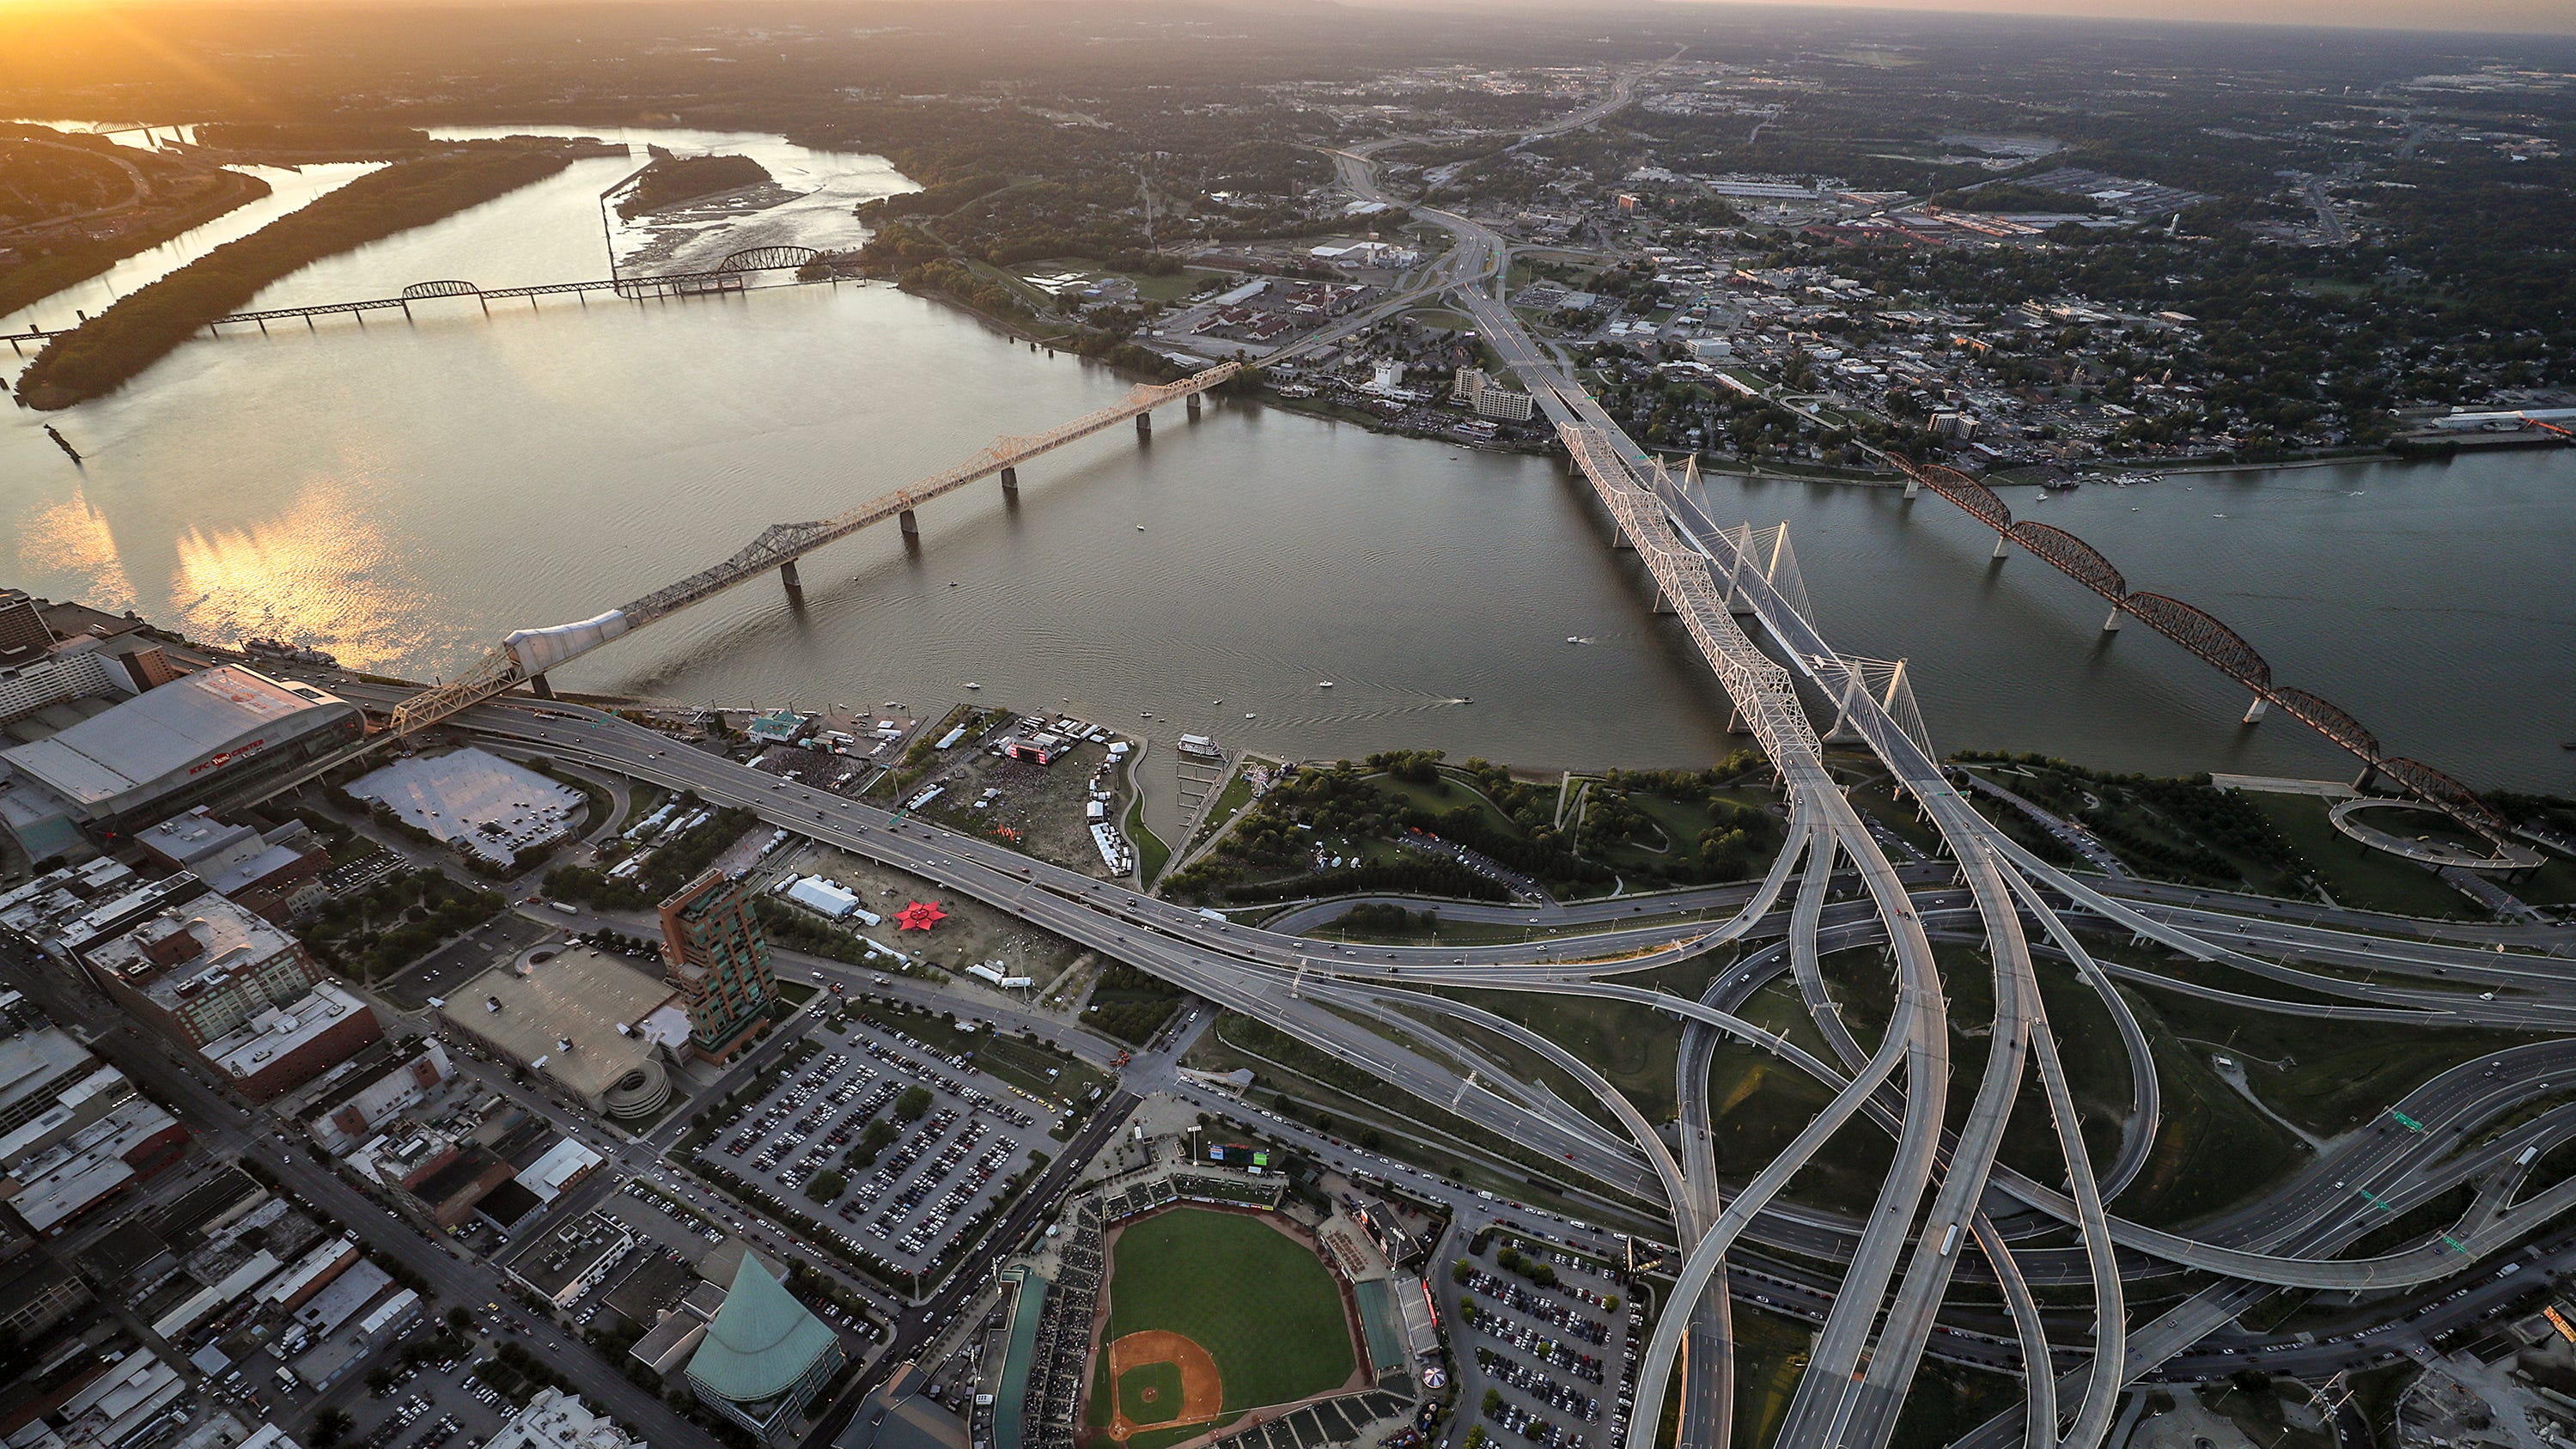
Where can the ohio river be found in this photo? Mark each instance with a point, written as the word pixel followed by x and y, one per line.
pixel 404 494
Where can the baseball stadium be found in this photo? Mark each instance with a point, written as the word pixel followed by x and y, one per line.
pixel 1214 1318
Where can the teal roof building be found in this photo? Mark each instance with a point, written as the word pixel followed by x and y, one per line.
pixel 765 1356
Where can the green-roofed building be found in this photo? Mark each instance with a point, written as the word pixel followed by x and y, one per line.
pixel 764 1356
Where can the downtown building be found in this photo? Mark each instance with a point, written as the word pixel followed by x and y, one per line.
pixel 714 952
pixel 764 1357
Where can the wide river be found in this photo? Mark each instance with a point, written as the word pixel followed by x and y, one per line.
pixel 405 493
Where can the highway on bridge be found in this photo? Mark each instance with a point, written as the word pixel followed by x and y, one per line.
pixel 1832 890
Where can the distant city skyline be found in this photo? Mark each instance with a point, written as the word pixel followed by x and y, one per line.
pixel 2480 17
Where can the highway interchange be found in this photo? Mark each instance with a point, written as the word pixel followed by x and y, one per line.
pixel 1833 889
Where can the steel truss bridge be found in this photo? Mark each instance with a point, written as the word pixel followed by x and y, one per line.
pixel 736 273
pixel 2214 644
pixel 526 655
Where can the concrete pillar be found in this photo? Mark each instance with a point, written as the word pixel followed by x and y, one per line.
pixel 2257 709
pixel 2368 777
pixel 543 690
pixel 1144 427
pixel 1010 480
pixel 2003 545
pixel 1194 407
pixel 787 576
pixel 911 525
pixel 2112 625
pixel 1913 485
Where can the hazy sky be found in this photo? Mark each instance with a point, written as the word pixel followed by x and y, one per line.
pixel 2519 16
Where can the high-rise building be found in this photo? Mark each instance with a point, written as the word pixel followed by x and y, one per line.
pixel 714 952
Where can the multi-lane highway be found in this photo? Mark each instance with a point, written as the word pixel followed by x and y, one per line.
pixel 1832 888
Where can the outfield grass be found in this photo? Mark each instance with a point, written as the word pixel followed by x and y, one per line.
pixel 1261 1304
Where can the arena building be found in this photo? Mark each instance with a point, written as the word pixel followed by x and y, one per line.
pixel 165 751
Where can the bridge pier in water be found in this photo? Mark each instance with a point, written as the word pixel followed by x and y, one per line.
pixel 795 586
pixel 2257 709
pixel 1144 427
pixel 1011 482
pixel 2003 545
pixel 1913 485
pixel 911 528
pixel 2112 625
pixel 1194 407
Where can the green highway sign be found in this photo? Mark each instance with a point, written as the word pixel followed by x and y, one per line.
pixel 2405 1121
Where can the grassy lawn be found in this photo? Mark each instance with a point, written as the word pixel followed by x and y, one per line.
pixel 1261 1305
pixel 2355 874
pixel 1151 853
pixel 1444 794
pixel 1229 803
pixel 1150 1393
pixel 642 799
pixel 1632 1044
pixel 1770 1353
pixel 1149 288
pixel 1948 1400
pixel 797 993
pixel 2554 884
pixel 2214 1150
pixel 2326 1076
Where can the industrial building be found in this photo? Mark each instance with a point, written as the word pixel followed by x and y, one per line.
pixel 765 1356
pixel 352 1100
pixel 573 1258
pixel 262 870
pixel 165 751
pixel 197 973
pixel 718 957
pixel 39 1061
pixel 554 1419
pixel 100 1141
pixel 283 1047
pixel 596 1027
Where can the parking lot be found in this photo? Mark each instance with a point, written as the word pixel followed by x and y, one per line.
pixel 923 1142
pixel 434 1406
pixel 1544 1363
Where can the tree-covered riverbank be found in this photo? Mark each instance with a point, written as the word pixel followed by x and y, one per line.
pixel 110 349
